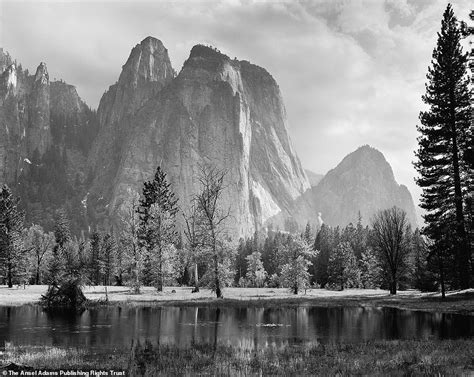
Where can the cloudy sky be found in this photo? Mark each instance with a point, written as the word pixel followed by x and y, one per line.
pixel 351 72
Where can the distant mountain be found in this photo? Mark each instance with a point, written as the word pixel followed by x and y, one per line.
pixel 56 152
pixel 313 178
pixel 45 135
pixel 362 182
pixel 225 112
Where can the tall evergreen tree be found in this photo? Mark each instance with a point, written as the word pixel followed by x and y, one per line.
pixel 62 236
pixel 158 208
pixel 343 271
pixel 446 136
pixel 11 226
pixel 256 273
pixel 324 244
pixel 297 255
pixel 107 259
pixel 94 257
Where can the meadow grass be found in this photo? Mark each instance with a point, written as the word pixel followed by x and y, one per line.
pixel 455 302
pixel 395 357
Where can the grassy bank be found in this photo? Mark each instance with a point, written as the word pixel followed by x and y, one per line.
pixel 432 357
pixel 456 302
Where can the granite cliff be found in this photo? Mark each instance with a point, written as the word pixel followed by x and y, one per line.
pixel 218 111
pixel 45 134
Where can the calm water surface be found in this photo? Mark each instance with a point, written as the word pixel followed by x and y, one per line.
pixel 239 326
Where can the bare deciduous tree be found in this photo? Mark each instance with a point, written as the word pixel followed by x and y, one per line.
pixel 193 243
pixel 391 236
pixel 213 231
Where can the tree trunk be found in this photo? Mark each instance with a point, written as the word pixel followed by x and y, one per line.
pixel 216 273
pixel 196 278
pixel 462 249
pixel 159 281
pixel 10 275
pixel 393 287
pixel 441 277
pixel 137 279
pixel 37 278
pixel 216 265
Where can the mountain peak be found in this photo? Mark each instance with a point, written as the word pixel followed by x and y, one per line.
pixel 206 58
pixel 41 74
pixel 363 182
pixel 148 62
pixel 207 52
pixel 5 60
pixel 366 160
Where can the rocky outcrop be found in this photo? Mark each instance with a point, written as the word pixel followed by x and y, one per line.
pixel 362 182
pixel 147 70
pixel 45 134
pixel 217 111
pixel 38 130
pixel 13 118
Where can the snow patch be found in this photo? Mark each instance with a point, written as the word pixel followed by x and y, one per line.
pixel 267 204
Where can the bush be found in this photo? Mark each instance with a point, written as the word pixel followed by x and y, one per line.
pixel 68 295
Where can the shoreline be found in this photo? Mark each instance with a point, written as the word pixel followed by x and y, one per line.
pixel 458 302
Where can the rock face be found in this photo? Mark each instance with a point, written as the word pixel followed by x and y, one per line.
pixel 363 181
pixel 39 133
pixel 45 131
pixel 217 111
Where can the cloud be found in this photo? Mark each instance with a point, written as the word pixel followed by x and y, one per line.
pixel 351 72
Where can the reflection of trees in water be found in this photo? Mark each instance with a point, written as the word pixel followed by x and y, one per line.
pixel 250 328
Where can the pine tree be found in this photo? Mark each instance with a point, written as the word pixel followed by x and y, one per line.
pixel 157 210
pixel 370 271
pixel 62 236
pixel 343 271
pixel 422 275
pixel 107 258
pixel 324 244
pixel 294 273
pixel 308 234
pixel 11 226
pixel 94 257
pixel 443 163
pixel 256 274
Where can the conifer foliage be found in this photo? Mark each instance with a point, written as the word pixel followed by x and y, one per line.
pixel 157 229
pixel 445 174
pixel 11 226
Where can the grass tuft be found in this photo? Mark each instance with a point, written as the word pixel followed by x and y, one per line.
pixel 399 357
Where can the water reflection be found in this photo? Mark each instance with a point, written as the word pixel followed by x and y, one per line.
pixel 254 327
